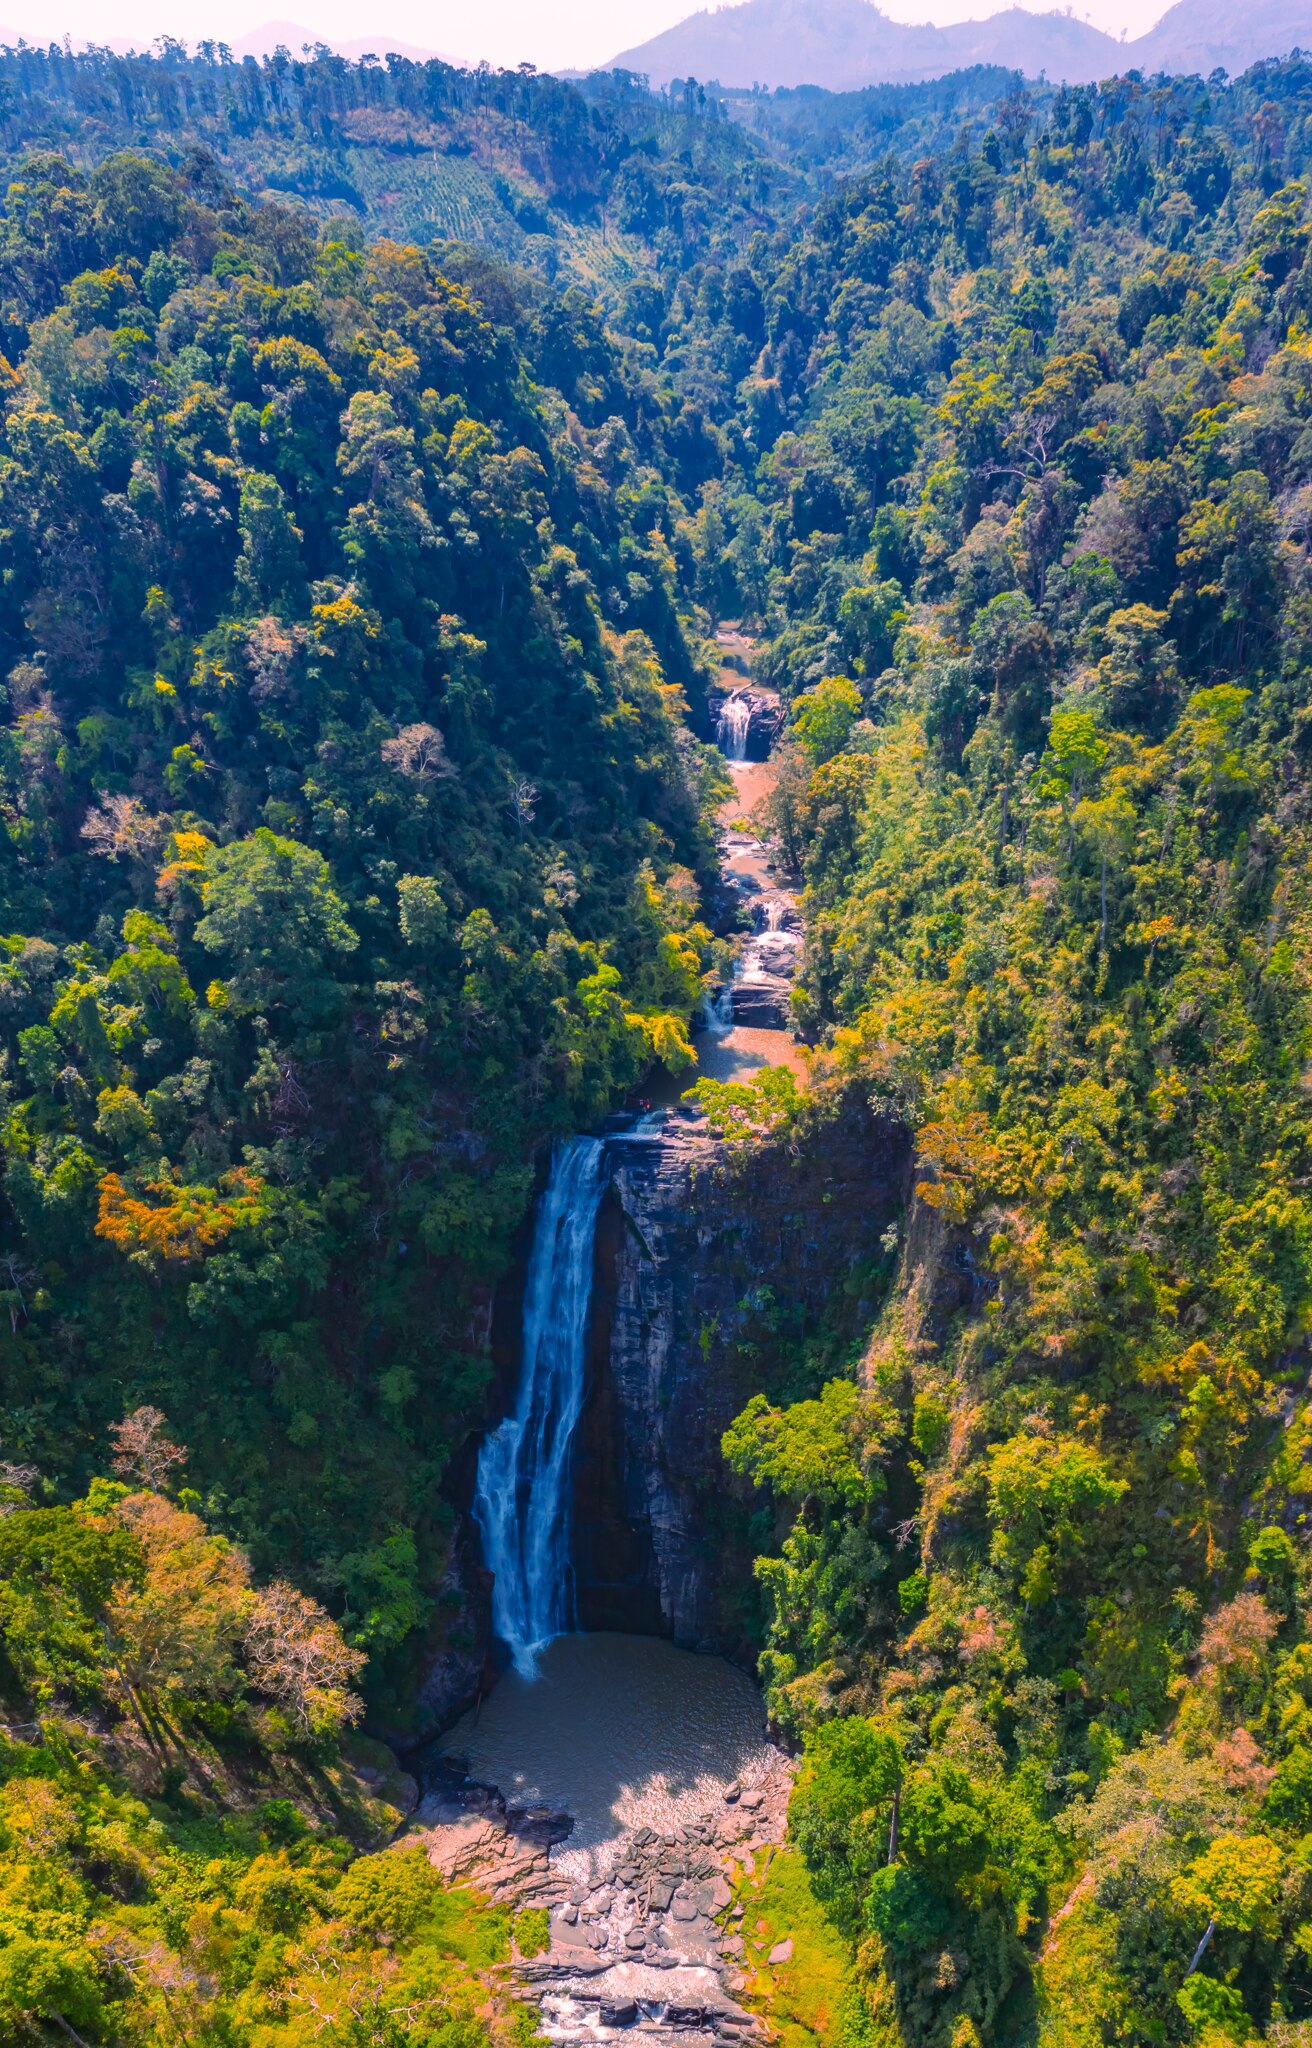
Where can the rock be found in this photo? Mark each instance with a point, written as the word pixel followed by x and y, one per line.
pixel 680 1249
pixel 753 1801
pixel 635 1938
pixel 782 1952
pixel 479 1850
pixel 685 1908
pixel 569 1914
pixel 661 1893
pixel 721 1895
pixel 624 2014
pixel 685 2015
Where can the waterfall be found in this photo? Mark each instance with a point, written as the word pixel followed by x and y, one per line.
pixel 733 727
pixel 522 1499
pixel 719 1011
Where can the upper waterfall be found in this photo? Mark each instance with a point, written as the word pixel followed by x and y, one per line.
pixel 734 725
pixel 522 1499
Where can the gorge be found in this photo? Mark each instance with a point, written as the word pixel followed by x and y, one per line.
pixel 624 1726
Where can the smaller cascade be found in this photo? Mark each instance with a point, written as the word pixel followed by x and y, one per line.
pixel 719 1010
pixel 522 1499
pixel 734 725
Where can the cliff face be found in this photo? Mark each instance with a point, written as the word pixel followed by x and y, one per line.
pixel 710 1277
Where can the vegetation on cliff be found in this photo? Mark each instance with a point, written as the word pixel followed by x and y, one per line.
pixel 1041 1604
pixel 352 841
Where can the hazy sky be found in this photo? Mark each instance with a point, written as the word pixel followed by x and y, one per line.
pixel 563 33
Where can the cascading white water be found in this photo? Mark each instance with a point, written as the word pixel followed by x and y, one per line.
pixel 732 729
pixel 522 1498
pixel 719 1011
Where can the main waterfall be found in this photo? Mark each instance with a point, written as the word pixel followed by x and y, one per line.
pixel 521 1503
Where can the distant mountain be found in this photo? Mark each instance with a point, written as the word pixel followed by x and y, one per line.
pixel 843 44
pixel 1199 35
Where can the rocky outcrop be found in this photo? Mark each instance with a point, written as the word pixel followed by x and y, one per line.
pixel 710 1274
pixel 651 1937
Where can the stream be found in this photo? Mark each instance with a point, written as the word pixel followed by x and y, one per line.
pixel 616 1777
pixel 748 1026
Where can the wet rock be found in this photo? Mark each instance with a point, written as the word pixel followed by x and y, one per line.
pixel 624 2014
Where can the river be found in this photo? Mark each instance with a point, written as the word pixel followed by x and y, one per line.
pixel 658 1754
pixel 752 1027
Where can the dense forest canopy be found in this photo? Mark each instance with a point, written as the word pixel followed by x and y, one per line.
pixel 356 838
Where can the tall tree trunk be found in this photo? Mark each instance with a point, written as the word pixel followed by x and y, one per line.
pixel 1201 1950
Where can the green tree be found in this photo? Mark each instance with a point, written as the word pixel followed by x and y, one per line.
pixel 275 922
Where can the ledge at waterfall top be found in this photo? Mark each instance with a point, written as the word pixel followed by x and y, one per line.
pixel 521 1503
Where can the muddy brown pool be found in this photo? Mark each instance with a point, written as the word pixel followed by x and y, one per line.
pixel 622 1731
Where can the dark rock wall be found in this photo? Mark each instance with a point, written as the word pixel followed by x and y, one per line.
pixel 710 1280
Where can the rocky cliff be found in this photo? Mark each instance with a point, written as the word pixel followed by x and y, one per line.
pixel 713 1277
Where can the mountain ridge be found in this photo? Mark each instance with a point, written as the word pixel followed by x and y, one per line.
pixel 845 44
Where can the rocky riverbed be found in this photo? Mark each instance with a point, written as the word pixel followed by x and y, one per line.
pixel 645 1935
pixel 750 1024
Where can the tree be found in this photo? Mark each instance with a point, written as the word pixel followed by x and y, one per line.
pixel 269 573
pixel 823 717
pixel 271 910
pixel 144 1450
pixel 417 752
pixel 58 1571
pixel 295 1653
pixel 121 828
pixel 1046 1495
pixel 809 1450
pixel 1108 823
pixel 173 1632
pixel 842 1814
pixel 1235 1883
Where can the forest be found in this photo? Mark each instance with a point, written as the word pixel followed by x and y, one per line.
pixel 358 837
